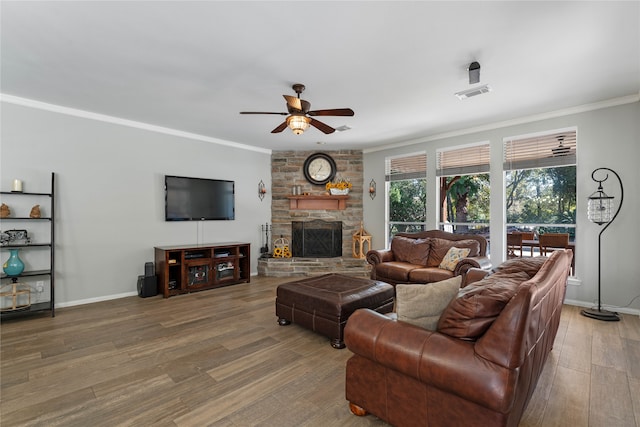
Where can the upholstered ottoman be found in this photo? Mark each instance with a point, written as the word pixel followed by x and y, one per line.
pixel 324 303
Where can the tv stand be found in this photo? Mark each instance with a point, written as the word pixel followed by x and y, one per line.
pixel 187 268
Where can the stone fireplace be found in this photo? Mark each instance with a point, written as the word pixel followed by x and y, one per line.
pixel 286 173
pixel 316 239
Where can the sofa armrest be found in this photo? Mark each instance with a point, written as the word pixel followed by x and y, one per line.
pixel 377 256
pixel 465 264
pixel 473 275
pixel 438 360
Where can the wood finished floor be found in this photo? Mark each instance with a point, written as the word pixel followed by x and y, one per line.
pixel 218 358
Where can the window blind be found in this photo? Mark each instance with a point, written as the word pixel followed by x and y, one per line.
pixel 464 161
pixel 552 150
pixel 406 167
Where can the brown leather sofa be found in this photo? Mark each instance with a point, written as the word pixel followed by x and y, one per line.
pixel 479 368
pixel 415 257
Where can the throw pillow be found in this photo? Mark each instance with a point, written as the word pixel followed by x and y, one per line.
pixel 413 251
pixel 422 305
pixel 477 305
pixel 453 256
pixel 440 247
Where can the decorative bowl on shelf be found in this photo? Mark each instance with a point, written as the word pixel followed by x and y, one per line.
pixel 340 187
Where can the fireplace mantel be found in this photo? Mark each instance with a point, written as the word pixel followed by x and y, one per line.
pixel 318 202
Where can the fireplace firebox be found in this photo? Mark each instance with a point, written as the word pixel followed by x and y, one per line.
pixel 316 239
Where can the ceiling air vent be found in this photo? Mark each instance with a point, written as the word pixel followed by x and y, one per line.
pixel 464 94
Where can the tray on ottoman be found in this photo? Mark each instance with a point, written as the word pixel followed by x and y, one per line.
pixel 324 303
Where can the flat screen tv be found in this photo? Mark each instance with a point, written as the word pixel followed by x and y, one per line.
pixel 198 199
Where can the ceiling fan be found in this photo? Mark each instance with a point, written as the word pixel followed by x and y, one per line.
pixel 561 149
pixel 298 111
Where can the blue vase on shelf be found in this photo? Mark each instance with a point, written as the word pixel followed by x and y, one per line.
pixel 14 265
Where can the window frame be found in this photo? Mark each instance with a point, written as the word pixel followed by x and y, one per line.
pixel 404 167
pixel 533 153
pixel 461 160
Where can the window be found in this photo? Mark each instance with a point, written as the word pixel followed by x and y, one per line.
pixel 540 177
pixel 407 193
pixel 463 175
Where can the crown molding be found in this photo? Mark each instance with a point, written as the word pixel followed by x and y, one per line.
pixel 16 100
pixel 25 102
pixel 629 99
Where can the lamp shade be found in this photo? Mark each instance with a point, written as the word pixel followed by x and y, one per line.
pixel 600 207
pixel 298 124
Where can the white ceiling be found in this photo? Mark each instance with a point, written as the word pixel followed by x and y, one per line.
pixel 193 66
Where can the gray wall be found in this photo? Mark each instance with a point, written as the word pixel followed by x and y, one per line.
pixel 110 188
pixel 607 137
pixel 110 194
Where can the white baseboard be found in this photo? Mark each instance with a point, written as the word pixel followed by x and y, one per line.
pixel 577 303
pixel 96 299
pixel 585 304
pixel 104 298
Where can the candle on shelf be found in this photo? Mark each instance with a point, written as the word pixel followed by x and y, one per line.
pixel 17 186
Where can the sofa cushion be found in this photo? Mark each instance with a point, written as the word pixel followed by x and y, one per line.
pixel 422 305
pixel 453 256
pixel 413 251
pixel 440 247
pixel 529 265
pixel 429 275
pixel 477 305
pixel 395 270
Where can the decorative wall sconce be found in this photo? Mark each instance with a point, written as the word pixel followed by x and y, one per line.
pixel 372 189
pixel 262 190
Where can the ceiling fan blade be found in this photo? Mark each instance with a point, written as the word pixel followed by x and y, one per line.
pixel 262 112
pixel 293 102
pixel 332 112
pixel 322 127
pixel 305 105
pixel 280 128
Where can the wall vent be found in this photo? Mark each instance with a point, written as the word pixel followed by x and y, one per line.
pixel 464 94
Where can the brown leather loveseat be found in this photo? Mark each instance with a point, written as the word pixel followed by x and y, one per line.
pixel 478 368
pixel 416 257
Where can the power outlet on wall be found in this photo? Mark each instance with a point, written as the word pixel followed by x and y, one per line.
pixel 40 286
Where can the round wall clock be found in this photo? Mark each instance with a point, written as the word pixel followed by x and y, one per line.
pixel 319 168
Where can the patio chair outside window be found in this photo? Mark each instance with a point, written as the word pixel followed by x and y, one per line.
pixel 526 235
pixel 553 241
pixel 514 243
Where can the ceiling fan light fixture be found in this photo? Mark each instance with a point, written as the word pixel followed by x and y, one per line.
pixel 299 111
pixel 298 124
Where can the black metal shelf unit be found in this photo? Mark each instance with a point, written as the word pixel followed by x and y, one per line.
pixel 39 306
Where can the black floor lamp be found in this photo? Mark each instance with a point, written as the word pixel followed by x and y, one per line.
pixel 599 210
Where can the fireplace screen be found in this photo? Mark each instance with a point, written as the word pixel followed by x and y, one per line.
pixel 316 239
